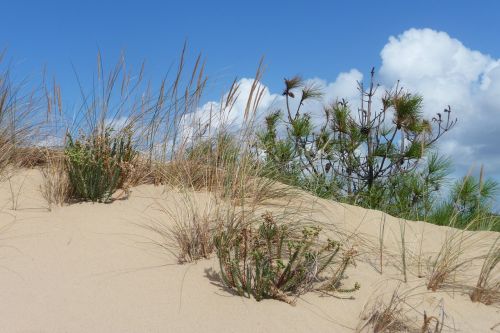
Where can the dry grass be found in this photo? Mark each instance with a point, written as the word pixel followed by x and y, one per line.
pixel 397 315
pixel 187 231
pixel 385 316
pixel 449 261
pixel 487 289
pixel 55 186
pixel 17 123
pixel 31 157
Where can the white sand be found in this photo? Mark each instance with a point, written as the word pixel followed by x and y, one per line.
pixel 95 268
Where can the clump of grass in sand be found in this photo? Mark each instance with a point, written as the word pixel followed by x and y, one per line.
pixel 450 259
pixel 55 186
pixel 393 316
pixel 386 317
pixel 274 260
pixel 190 237
pixel 96 164
pixel 487 289
pixel 447 261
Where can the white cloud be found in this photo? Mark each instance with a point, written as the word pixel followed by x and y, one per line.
pixel 446 72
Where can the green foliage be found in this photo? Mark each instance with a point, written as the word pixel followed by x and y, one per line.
pixel 348 156
pixel 469 205
pixel 97 164
pixel 273 261
pixel 414 194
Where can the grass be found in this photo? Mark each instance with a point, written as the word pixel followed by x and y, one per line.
pixel 17 124
pixel 487 289
pixel 190 235
pixel 447 261
pixel 55 186
pixel 450 259
pixel 397 315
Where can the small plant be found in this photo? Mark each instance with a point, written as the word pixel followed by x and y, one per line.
pixel 55 187
pixel 386 316
pixel 449 259
pixel 190 238
pixel 274 261
pixel 487 289
pixel 393 316
pixel 97 163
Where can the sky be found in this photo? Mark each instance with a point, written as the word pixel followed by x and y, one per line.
pixel 448 51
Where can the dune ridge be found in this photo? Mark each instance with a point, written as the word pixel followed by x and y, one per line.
pixel 97 268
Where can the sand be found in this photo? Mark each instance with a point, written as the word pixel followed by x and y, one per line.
pixel 97 268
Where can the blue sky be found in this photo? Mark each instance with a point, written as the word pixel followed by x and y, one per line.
pixel 446 50
pixel 313 38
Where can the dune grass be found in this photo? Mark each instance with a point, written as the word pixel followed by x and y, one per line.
pixel 55 186
pixel 396 314
pixel 18 124
pixel 487 289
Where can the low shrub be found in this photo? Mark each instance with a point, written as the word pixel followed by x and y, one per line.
pixel 97 164
pixel 275 261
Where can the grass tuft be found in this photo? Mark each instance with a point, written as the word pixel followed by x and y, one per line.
pixel 487 289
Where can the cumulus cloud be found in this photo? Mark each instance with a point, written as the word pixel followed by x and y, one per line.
pixel 446 72
pixel 433 64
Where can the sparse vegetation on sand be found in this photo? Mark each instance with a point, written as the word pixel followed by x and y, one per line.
pixel 268 211
pixel 276 260
pixel 396 314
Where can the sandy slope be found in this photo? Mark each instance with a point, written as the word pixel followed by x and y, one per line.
pixel 95 268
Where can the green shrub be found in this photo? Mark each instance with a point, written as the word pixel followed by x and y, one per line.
pixel 274 261
pixel 97 164
pixel 469 205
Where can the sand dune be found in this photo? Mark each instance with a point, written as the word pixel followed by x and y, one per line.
pixel 96 268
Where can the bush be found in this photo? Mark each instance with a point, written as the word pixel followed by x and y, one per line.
pixel 274 261
pixel 97 164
